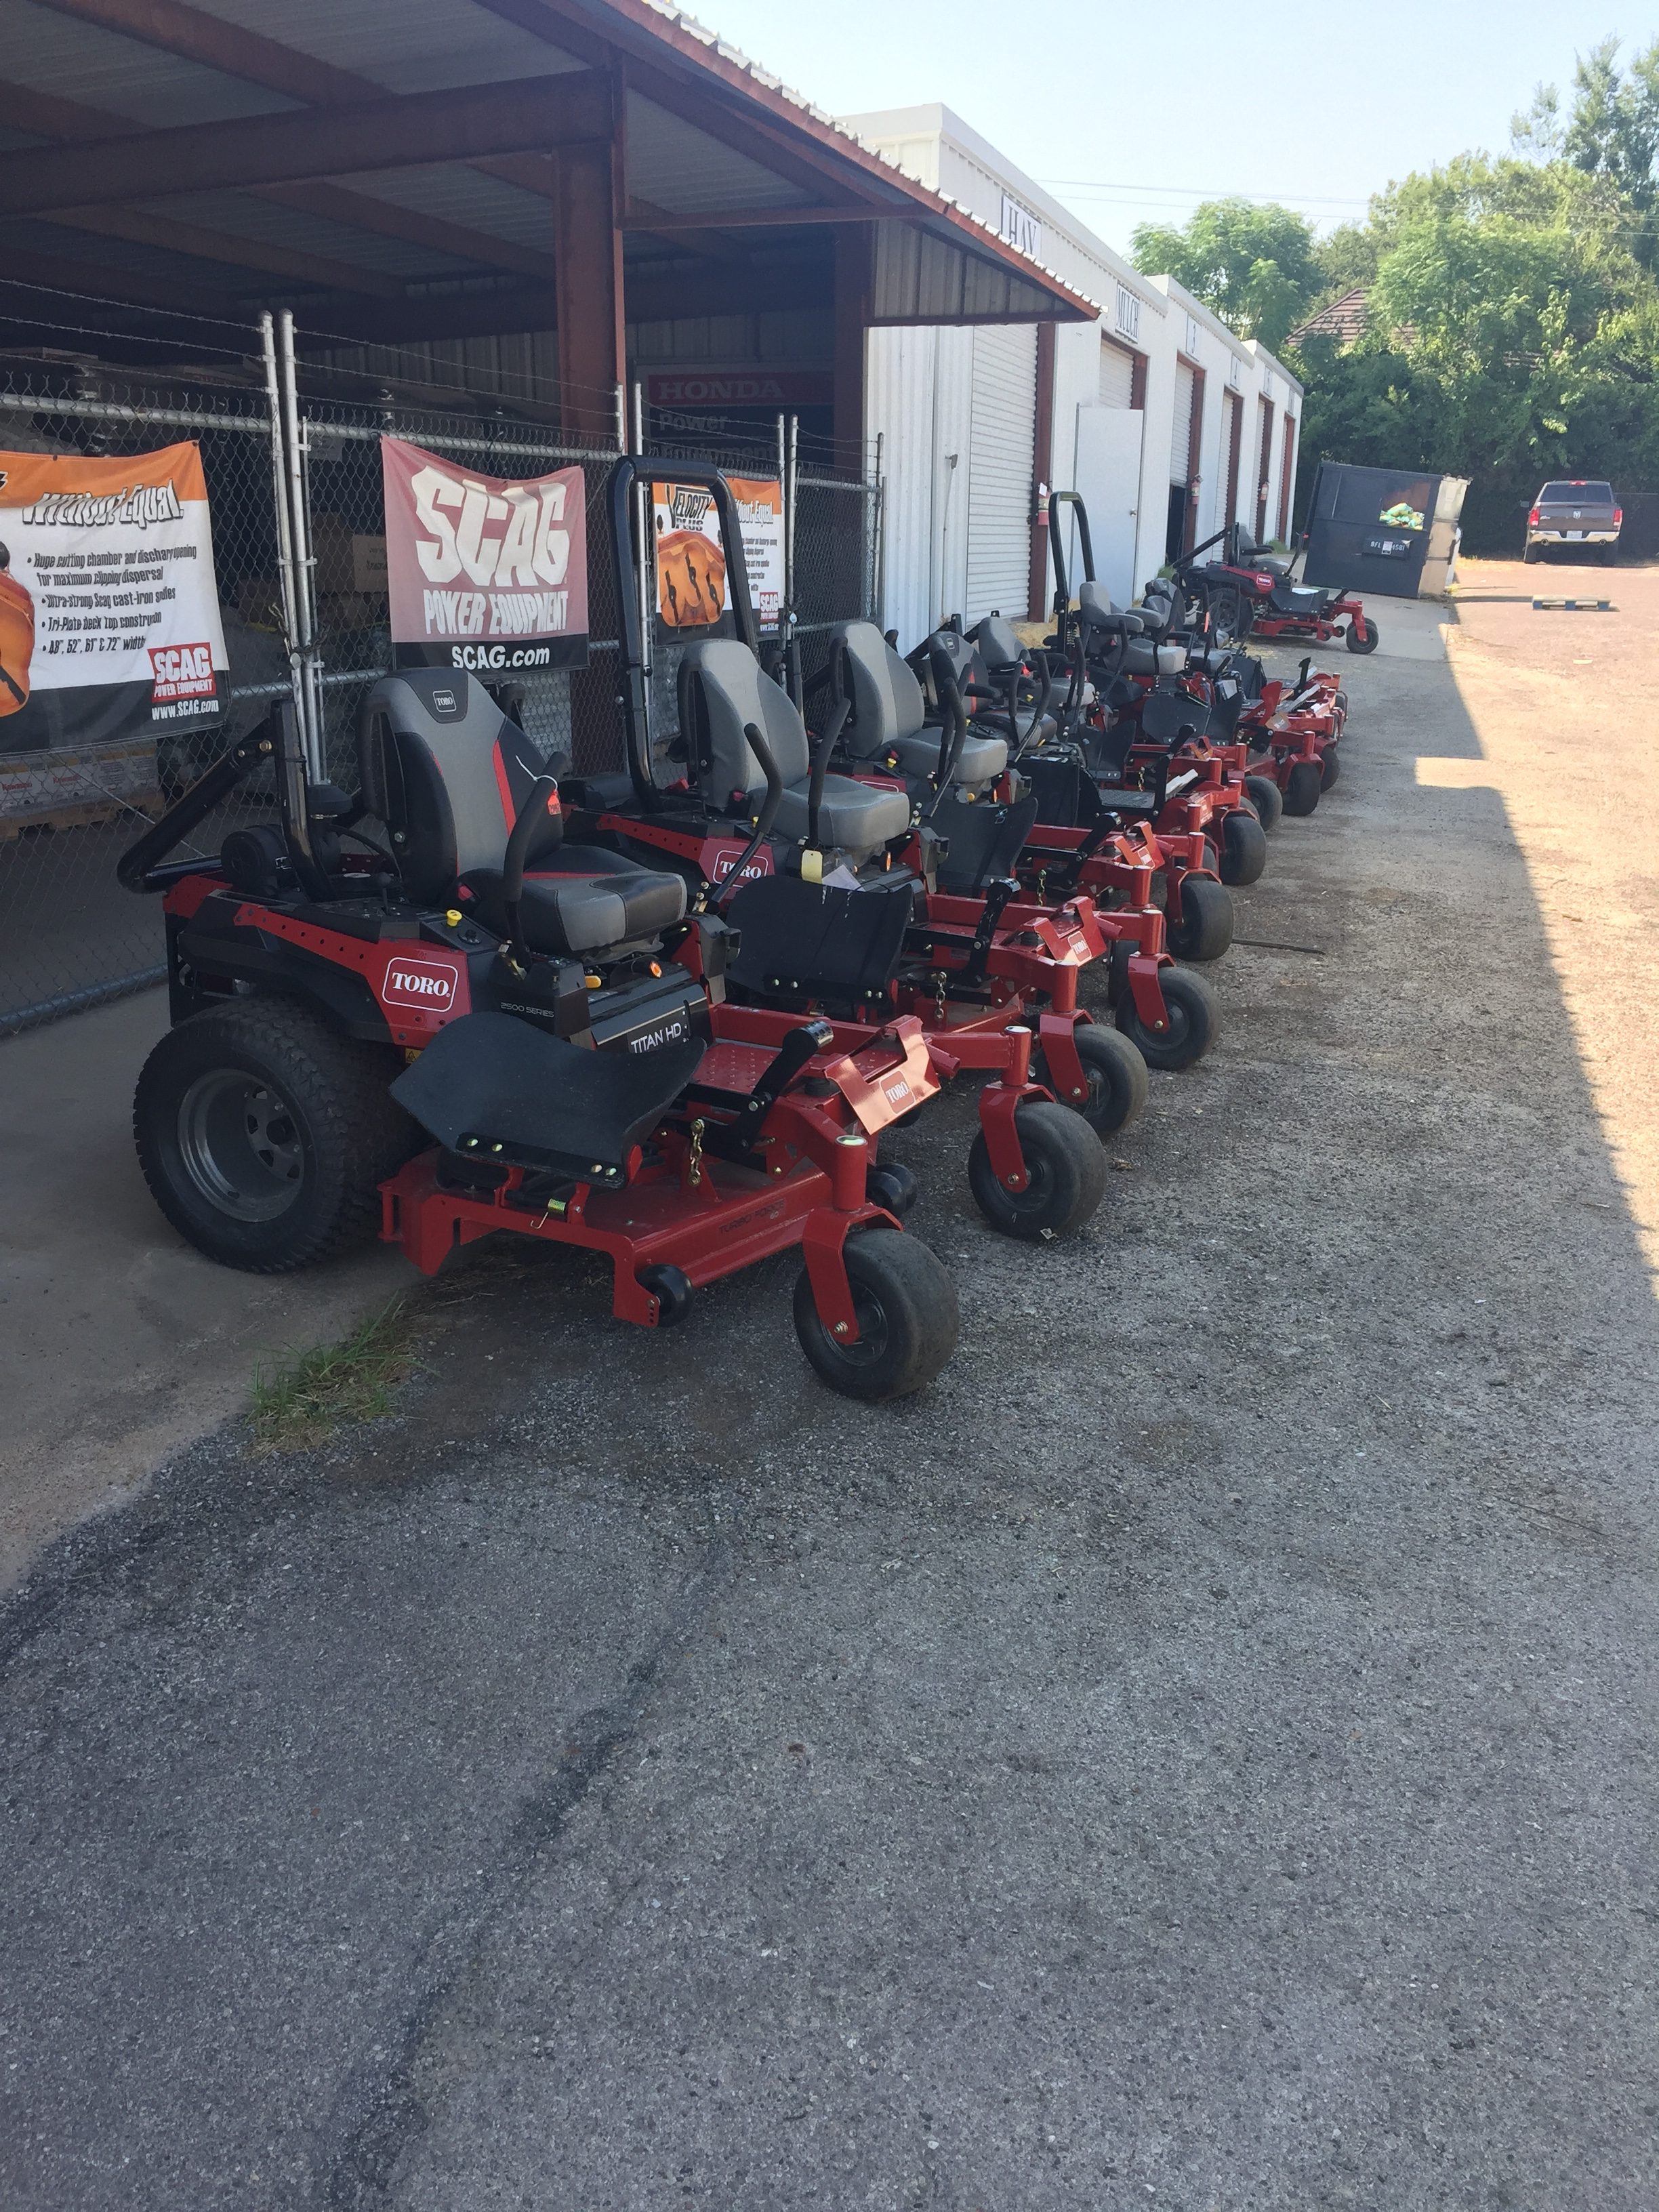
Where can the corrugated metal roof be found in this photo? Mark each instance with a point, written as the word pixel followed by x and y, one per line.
pixel 405 45
pixel 239 214
pixel 48 53
pixel 461 195
pixel 673 165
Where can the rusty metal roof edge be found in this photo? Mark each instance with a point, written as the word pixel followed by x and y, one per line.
pixel 661 21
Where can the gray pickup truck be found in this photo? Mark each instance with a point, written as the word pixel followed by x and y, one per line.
pixel 1577 512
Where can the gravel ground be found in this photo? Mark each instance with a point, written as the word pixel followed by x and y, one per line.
pixel 1201 1753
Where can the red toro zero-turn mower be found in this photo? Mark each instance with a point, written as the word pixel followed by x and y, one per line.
pixel 827 879
pixel 473 1027
pixel 1248 592
pixel 980 807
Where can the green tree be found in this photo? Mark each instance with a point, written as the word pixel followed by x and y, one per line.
pixel 1255 265
pixel 1611 130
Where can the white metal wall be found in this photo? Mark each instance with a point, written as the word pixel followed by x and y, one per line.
pixel 919 397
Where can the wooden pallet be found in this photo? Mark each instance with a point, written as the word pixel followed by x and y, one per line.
pixel 1578 606
pixel 81 814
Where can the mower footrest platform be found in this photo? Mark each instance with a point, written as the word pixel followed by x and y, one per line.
pixel 492 1086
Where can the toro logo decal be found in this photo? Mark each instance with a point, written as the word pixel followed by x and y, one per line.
pixel 181 671
pixel 420 983
pixel 725 861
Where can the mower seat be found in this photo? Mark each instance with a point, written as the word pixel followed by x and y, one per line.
pixel 1142 656
pixel 889 717
pixel 721 689
pixel 446 772
pixel 1096 612
pixel 591 899
pixel 984 752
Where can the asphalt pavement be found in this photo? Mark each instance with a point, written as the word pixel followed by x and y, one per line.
pixel 1201 1753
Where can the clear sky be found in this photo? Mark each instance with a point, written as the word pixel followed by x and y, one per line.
pixel 1130 114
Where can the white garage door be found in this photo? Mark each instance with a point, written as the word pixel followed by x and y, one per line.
pixel 1003 442
pixel 1180 439
pixel 1117 376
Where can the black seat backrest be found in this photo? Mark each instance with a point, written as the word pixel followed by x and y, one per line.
pixel 721 687
pixel 948 648
pixel 887 702
pixel 446 772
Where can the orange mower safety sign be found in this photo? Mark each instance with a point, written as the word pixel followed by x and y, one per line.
pixel 109 606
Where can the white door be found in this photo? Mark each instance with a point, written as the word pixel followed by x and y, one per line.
pixel 1001 451
pixel 1107 474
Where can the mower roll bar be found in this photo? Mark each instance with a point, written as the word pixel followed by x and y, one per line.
pixel 633 563
pixel 140 869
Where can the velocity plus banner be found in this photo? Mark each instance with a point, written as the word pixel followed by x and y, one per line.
pixel 109 609
pixel 693 588
pixel 485 573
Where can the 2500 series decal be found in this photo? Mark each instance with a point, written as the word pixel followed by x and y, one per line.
pixel 420 983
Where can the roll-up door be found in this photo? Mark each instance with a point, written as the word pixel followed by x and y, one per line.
pixel 1232 408
pixel 1000 463
pixel 1117 376
pixel 1181 436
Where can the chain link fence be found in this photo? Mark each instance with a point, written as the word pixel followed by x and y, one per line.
pixel 69 938
pixel 69 935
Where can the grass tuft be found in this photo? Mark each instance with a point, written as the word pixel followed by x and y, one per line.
pixel 304 1403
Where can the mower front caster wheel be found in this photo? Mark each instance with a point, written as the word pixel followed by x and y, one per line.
pixel 1244 846
pixel 1302 787
pixel 1114 1072
pixel 1205 927
pixel 1194 1021
pixel 908 1318
pixel 1362 635
pixel 1065 1174
pixel 1263 794
pixel 264 1134
pixel 671 1286
pixel 891 1186
pixel 1330 767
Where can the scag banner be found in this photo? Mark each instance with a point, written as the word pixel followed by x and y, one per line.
pixel 109 609
pixel 693 588
pixel 485 573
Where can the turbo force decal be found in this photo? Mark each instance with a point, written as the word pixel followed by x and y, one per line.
pixel 483 573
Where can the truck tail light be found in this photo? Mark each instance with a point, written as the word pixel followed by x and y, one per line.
pixel 1617 518
pixel 1532 520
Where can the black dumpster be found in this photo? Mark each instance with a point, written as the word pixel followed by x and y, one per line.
pixel 1385 531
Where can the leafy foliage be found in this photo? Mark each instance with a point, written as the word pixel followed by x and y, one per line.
pixel 1255 265
pixel 1512 310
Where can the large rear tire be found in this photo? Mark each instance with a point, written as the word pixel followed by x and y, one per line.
pixel 263 1133
pixel 909 1320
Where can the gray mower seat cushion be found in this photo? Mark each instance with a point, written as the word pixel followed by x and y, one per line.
pixel 983 758
pixel 857 817
pixel 587 900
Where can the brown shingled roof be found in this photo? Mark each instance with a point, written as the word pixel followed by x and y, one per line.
pixel 1343 319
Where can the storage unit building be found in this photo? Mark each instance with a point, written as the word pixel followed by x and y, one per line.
pixel 1155 413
